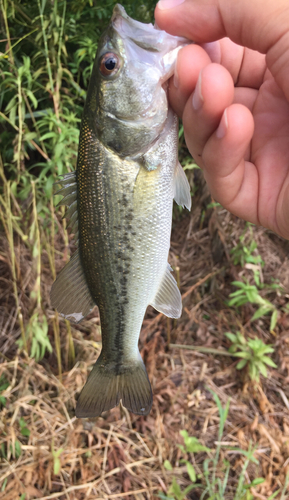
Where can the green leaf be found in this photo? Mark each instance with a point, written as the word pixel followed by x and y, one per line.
pixel 257 480
pixel 176 489
pixel 262 368
pixel 48 135
pixel 32 98
pixel 241 364
pixel 56 466
pixel 253 372
pixel 274 320
pixel 192 444
pixel 231 336
pixel 191 472
pixel 245 355
pixel 241 338
pixel 268 361
pixel 265 309
pixel 25 432
pixel 17 449
pixel 239 284
pixel 168 465
pixel 4 484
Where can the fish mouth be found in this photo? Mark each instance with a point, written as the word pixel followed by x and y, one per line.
pixel 158 48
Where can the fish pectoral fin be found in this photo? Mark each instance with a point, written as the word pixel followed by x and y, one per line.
pixel 107 384
pixel 182 192
pixel 69 293
pixel 69 192
pixel 168 299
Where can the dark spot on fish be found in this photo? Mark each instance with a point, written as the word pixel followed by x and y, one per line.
pixel 124 201
pixel 123 281
pixel 125 239
pixel 129 216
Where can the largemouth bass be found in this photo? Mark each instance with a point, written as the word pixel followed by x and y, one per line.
pixel 120 207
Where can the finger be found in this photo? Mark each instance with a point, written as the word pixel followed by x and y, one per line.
pixel 260 25
pixel 214 92
pixel 233 181
pixel 246 66
pixel 191 60
pixel 245 96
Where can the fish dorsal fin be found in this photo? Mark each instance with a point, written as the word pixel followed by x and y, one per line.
pixel 69 293
pixel 69 192
pixel 168 299
pixel 182 193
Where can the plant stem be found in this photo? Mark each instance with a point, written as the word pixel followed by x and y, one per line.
pixel 71 351
pixel 20 127
pixel 10 238
pixel 36 249
pixel 202 349
pixel 4 13
pixel 57 344
pixel 46 49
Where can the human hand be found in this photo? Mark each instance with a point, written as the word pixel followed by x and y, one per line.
pixel 234 101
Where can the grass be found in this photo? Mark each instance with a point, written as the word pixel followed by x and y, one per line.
pixel 233 278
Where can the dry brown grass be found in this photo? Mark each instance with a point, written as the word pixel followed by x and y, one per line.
pixel 120 455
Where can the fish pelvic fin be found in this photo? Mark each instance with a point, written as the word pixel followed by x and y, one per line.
pixel 108 383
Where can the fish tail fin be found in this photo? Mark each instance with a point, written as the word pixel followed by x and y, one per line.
pixel 109 383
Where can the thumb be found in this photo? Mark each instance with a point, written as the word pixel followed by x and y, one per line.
pixel 260 25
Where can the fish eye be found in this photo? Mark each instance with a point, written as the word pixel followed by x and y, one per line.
pixel 109 64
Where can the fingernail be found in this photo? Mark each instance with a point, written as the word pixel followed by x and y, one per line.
pixel 223 127
pixel 176 76
pixel 168 4
pixel 198 99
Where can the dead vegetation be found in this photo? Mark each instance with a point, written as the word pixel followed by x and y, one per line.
pixel 47 453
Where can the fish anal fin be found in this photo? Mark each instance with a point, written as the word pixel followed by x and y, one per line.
pixel 69 293
pixel 168 299
pixel 182 193
pixel 108 384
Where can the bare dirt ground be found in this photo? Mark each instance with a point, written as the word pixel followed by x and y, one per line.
pixel 120 455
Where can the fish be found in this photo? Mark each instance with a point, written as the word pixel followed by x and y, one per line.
pixel 120 200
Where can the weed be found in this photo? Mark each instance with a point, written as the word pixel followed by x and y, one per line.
pixel 14 450
pixel 23 428
pixel 36 335
pixel 253 353
pixel 250 294
pixel 210 480
pixel 56 458
pixel 246 249
pixel 3 386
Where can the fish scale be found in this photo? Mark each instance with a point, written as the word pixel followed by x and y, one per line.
pixel 120 199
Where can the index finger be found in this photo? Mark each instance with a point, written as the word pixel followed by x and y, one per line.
pixel 260 25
